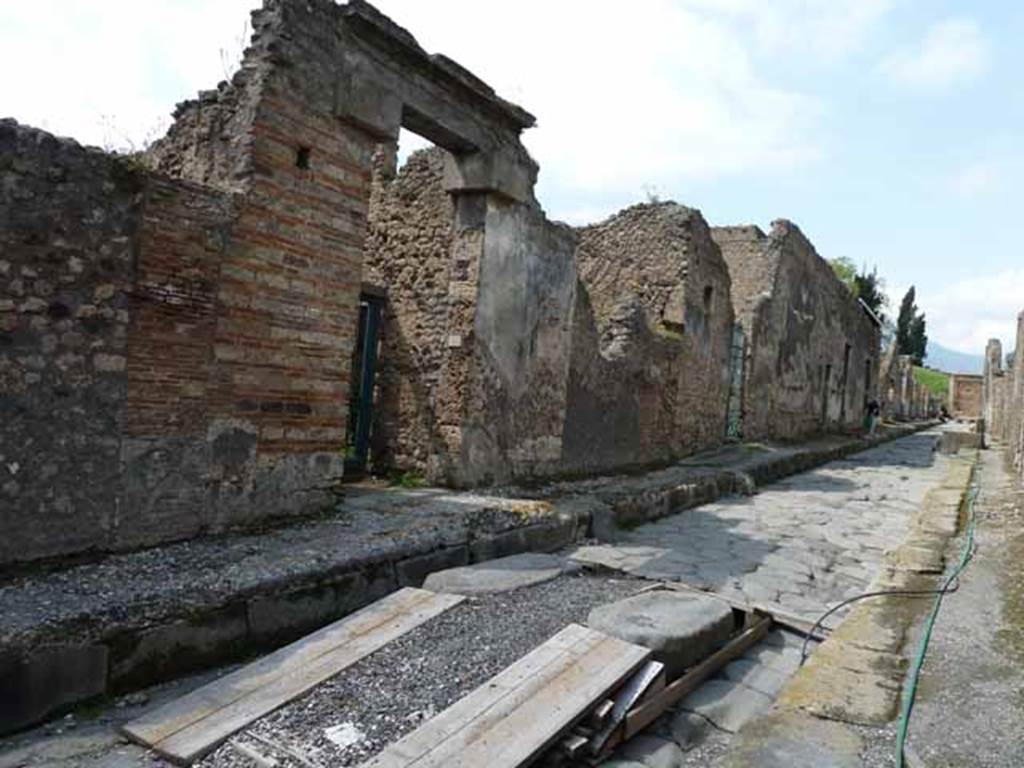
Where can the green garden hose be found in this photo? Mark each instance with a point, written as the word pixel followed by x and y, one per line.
pixel 910 691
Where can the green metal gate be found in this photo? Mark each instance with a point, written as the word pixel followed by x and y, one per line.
pixel 362 381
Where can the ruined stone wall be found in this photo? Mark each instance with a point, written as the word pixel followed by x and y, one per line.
pixel 650 370
pixel 812 356
pixel 68 221
pixel 1015 421
pixel 515 348
pixel 476 337
pixel 752 268
pixel 140 407
pixel 1004 396
pixel 966 394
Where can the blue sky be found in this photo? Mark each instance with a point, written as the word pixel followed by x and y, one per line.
pixel 891 131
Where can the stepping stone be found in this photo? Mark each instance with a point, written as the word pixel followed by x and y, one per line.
pixel 501 575
pixel 681 629
pixel 728 705
pixel 646 752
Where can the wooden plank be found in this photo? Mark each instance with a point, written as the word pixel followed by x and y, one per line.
pixel 601 713
pixel 651 710
pixel 522 710
pixel 187 728
pixel 625 699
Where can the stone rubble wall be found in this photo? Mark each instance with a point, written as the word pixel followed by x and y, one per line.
pixel 495 365
pixel 812 357
pixel 68 232
pixel 650 372
pixel 966 394
pixel 176 330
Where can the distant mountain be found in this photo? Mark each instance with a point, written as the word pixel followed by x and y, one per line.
pixel 951 361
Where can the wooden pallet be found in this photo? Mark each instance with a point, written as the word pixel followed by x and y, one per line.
pixel 517 715
pixel 185 729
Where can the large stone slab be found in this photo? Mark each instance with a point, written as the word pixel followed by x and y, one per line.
pixel 502 575
pixel 793 740
pixel 646 752
pixel 681 629
pixel 727 704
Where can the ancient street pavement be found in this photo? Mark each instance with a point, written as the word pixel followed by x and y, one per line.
pixel 802 543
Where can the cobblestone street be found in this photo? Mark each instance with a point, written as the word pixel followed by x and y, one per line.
pixel 803 543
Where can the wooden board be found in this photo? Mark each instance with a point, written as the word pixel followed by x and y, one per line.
pixel 650 675
pixel 185 729
pixel 652 709
pixel 521 711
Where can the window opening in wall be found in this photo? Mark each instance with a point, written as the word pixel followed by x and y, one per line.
pixel 302 157
pixel 709 294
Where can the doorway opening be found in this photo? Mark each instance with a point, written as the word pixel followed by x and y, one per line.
pixel 363 382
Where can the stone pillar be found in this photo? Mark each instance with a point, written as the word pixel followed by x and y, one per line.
pixel 993 369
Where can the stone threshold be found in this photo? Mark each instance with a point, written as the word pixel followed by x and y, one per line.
pixel 133 620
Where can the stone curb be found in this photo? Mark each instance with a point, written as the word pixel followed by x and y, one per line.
pixel 612 508
pixel 63 666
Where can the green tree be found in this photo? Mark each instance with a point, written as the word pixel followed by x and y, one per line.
pixel 908 311
pixel 846 271
pixel 911 335
pixel 870 289
pixel 918 339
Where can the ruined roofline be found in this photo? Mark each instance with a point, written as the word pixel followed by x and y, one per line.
pixel 15 127
pixel 734 233
pixel 382 30
pixel 669 207
pixel 784 229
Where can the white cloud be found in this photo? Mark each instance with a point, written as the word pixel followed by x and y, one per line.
pixel 826 29
pixel 977 178
pixel 966 314
pixel 663 93
pixel 111 72
pixel 657 95
pixel 952 51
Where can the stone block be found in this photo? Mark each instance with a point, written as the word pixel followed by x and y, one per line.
pixel 43 681
pixel 140 658
pixel 277 619
pixel 413 570
pixel 502 575
pixel 646 752
pixel 795 740
pixel 681 629
pixel 727 704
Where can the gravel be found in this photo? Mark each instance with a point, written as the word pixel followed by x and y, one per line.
pixel 390 693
